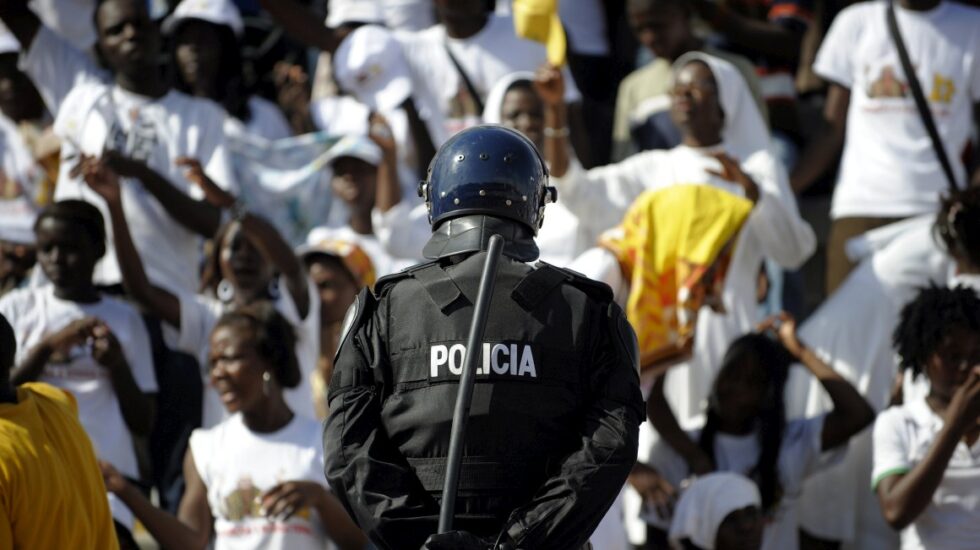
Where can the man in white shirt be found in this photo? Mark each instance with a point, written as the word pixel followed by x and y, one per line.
pixel 889 168
pixel 138 123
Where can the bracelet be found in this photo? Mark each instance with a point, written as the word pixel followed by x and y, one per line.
pixel 557 132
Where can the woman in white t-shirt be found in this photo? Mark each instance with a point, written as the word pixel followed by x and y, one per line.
pixel 926 454
pixel 208 62
pixel 254 481
pixel 249 262
pixel 72 336
pixel 746 430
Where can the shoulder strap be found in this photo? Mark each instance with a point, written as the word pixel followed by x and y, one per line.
pixel 440 287
pixel 466 79
pixel 533 289
pixel 920 100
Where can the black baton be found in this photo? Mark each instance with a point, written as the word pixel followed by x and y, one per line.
pixel 461 414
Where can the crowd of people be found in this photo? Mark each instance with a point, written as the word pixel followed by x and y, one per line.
pixel 793 235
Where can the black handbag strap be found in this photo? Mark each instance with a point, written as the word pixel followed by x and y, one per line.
pixel 466 80
pixel 920 100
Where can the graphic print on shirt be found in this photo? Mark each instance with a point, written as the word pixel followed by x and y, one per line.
pixel 141 140
pixel 888 84
pixel 245 503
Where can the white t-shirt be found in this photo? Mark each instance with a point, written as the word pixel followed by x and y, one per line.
pixel 902 438
pixel 486 57
pixel 93 116
pixel 72 19
pixel 889 167
pixel 799 456
pixel 37 313
pixel 198 316
pixel 234 484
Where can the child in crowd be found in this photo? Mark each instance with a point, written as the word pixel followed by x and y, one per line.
pixel 746 430
pixel 719 511
pixel 72 336
pixel 926 461
pixel 273 499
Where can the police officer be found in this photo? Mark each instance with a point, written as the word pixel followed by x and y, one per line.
pixel 556 407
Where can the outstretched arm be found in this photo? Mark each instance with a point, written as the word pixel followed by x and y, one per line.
pixel 302 24
pixel 760 36
pixel 21 21
pixel 104 181
pixel 193 528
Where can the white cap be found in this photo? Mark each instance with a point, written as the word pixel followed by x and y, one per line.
pixel 219 12
pixel 357 146
pixel 8 42
pixel 354 11
pixel 369 65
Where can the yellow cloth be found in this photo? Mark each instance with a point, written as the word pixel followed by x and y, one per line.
pixel 668 242
pixel 538 20
pixel 51 490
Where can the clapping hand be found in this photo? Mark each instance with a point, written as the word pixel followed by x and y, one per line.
pixel 284 500
pixel 99 176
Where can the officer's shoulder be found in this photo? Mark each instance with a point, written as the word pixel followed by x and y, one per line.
pixel 593 289
pixel 385 284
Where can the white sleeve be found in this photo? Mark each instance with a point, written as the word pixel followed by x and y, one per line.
pixel 402 230
pixel 836 56
pixel 214 156
pixel 600 197
pixel 198 315
pixel 601 265
pixel 139 353
pixel 56 67
pixel 783 235
pixel 889 451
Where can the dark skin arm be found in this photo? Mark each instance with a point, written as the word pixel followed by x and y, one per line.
pixel 389 190
pixel 424 148
pixel 760 36
pixel 159 301
pixel 975 180
pixel 20 20
pixel 851 412
pixel 138 408
pixel 197 216
pixel 192 526
pixel 301 24
pixel 825 148
pixel 903 497
pixel 59 343
pixel 266 238
pixel 665 422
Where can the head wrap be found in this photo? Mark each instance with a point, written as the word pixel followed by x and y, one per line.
pixel 706 503
pixel 495 98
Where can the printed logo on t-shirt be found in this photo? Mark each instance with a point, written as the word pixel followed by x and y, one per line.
pixel 463 112
pixel 139 142
pixel 889 85
pixel 245 503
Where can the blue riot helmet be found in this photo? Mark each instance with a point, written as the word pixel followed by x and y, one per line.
pixel 489 170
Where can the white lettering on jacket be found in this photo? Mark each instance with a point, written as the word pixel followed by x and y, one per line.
pixel 498 359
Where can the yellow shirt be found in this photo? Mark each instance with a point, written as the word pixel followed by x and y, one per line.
pixel 51 489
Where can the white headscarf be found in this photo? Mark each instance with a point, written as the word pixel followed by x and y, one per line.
pixel 705 504
pixel 745 130
pixel 495 99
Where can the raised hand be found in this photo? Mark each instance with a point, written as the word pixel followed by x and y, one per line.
pixel 656 491
pixel 114 481
pixel 731 171
pixel 380 133
pixel 285 499
pixel 784 326
pixel 964 408
pixel 99 177
pixel 215 195
pixel 550 85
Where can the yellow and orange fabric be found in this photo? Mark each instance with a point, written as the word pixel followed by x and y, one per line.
pixel 673 246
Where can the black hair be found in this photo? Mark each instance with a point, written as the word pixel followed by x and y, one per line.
pixel 8 349
pixel 211 272
pixel 775 360
pixel 273 336
pixel 683 5
pixel 926 321
pixel 83 214
pixel 958 225
pixel 234 96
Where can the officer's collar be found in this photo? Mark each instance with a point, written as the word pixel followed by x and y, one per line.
pixel 472 234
